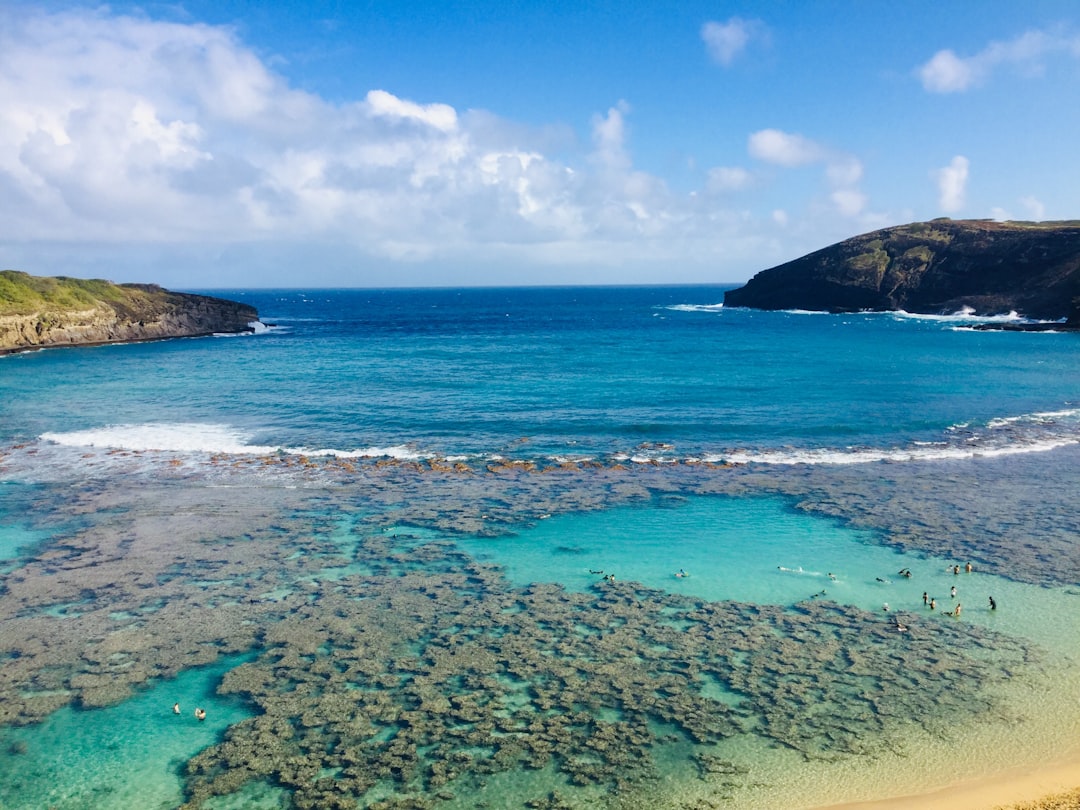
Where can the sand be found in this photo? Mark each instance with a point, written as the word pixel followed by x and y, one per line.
pixel 1053 787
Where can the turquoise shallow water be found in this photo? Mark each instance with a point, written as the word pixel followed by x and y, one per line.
pixel 762 550
pixel 652 383
pixel 128 756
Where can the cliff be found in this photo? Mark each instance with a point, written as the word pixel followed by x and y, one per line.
pixel 41 312
pixel 941 266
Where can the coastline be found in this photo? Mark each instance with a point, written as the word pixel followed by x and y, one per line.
pixel 1024 786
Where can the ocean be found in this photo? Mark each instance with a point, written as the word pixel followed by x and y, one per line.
pixel 537 547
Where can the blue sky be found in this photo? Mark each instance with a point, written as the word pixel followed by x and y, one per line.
pixel 380 143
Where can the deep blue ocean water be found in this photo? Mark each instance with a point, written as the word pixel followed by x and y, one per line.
pixel 576 370
pixel 639 377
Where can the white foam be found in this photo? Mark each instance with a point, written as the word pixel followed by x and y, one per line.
pixel 402 452
pixel 167 437
pixel 695 307
pixel 867 455
pixel 206 438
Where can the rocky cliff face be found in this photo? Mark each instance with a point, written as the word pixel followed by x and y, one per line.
pixel 940 266
pixel 107 313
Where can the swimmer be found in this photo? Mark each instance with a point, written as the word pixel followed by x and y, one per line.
pixel 956 610
pixel 968 568
pixel 610 577
pixel 925 598
pixel 200 715
pixel 956 570
pixel 993 604
pixel 832 576
pixel 952 592
pixel 885 607
pixel 879 579
pixel 933 604
pixel 595 572
pixel 901 627
pixel 682 573
pixel 904 572
pixel 176 708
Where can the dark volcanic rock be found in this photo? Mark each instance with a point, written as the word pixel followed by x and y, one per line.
pixel 941 266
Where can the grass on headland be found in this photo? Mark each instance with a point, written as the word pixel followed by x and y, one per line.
pixel 23 294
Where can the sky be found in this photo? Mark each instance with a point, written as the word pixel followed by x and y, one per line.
pixel 373 143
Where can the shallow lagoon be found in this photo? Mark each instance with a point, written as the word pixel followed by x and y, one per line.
pixel 733 549
pixel 125 756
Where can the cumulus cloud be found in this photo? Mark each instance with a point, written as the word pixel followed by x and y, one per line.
pixel 783 148
pixel 843 172
pixel 726 41
pixel 127 136
pixel 952 184
pixel 946 72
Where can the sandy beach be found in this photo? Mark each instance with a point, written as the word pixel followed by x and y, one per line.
pixel 1054 787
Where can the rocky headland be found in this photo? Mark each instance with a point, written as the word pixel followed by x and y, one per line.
pixel 39 312
pixel 937 267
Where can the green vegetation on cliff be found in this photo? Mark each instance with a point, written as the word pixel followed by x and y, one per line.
pixel 38 312
pixel 24 294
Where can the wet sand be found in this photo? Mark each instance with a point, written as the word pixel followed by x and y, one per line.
pixel 1054 787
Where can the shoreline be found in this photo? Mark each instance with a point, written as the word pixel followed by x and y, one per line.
pixel 1026 785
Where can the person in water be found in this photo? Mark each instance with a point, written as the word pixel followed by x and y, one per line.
pixel 200 715
pixel 952 592
pixel 968 568
pixel 176 708
pixel 993 604
pixel 925 598
pixel 933 604
pixel 682 573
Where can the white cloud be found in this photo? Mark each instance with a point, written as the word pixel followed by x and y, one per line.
pixel 385 105
pixel 1034 207
pixel 728 178
pixel 848 201
pixel 726 41
pixel 784 149
pixel 952 184
pixel 128 137
pixel 945 72
pixel 843 172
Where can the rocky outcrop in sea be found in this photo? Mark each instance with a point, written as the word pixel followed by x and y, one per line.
pixel 937 267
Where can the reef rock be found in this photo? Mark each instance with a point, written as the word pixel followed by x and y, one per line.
pixel 942 266
pixel 41 312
